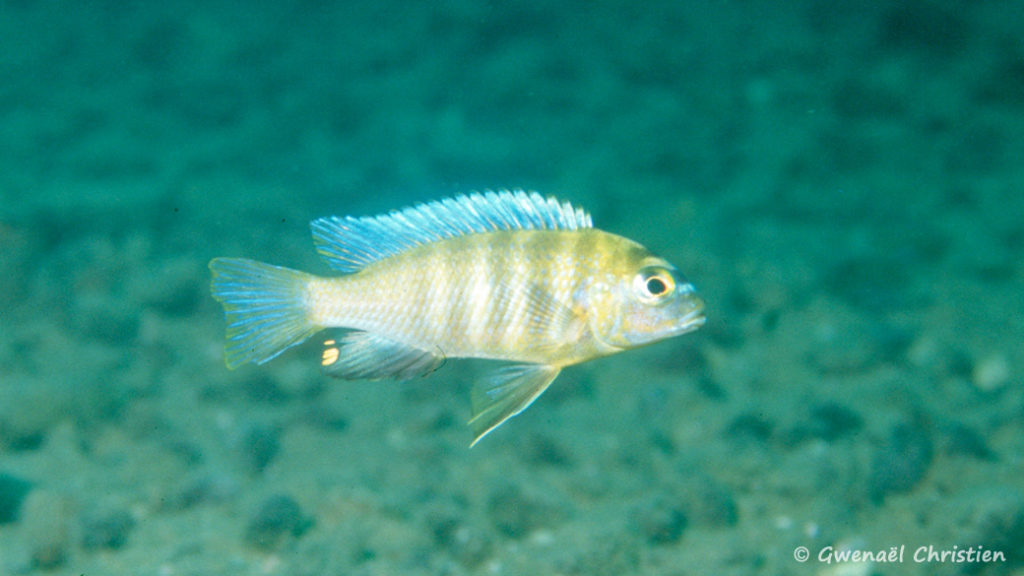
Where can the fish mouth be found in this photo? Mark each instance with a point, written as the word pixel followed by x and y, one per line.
pixel 692 320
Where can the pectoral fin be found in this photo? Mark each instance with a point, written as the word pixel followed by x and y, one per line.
pixel 361 355
pixel 506 392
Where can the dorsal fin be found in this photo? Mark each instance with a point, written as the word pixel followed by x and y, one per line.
pixel 349 243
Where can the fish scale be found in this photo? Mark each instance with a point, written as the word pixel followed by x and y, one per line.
pixel 471 315
pixel 508 276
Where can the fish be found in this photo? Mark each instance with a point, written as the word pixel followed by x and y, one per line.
pixel 508 276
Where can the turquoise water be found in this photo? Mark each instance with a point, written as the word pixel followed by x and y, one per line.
pixel 843 184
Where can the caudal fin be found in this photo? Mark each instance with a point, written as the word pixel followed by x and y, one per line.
pixel 264 306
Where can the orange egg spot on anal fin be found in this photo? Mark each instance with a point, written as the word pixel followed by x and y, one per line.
pixel 330 355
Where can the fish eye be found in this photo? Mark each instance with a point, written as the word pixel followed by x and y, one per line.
pixel 656 286
pixel 654 283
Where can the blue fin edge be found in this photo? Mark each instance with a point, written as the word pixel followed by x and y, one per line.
pixel 351 243
pixel 264 308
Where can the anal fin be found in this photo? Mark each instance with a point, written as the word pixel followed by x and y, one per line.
pixel 506 392
pixel 359 355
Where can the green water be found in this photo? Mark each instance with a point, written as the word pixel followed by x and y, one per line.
pixel 842 183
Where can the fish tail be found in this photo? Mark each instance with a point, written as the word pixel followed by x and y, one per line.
pixel 265 308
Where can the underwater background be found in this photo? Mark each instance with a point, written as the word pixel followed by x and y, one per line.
pixel 842 181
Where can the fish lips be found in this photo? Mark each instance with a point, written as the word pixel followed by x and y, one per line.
pixel 693 318
pixel 690 322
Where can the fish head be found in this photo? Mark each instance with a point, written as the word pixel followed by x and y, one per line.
pixel 650 300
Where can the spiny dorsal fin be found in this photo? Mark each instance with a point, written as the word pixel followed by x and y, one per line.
pixel 349 243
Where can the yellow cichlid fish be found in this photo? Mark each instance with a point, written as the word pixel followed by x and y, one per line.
pixel 507 276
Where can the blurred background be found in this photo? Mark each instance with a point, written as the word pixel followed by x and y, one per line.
pixel 841 181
